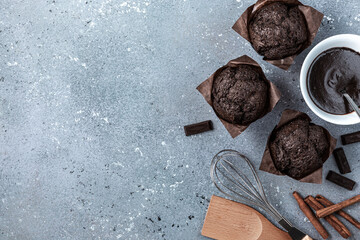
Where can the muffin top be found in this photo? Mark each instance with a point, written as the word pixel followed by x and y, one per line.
pixel 278 30
pixel 298 148
pixel 240 94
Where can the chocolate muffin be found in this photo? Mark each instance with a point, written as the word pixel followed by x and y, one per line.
pixel 240 94
pixel 278 30
pixel 298 148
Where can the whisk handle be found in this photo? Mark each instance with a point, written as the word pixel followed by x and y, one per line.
pixel 294 233
pixel 307 238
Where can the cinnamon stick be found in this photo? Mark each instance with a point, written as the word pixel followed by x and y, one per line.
pixel 331 219
pixel 327 203
pixel 310 215
pixel 336 207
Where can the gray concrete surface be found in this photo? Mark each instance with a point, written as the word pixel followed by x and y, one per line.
pixel 93 99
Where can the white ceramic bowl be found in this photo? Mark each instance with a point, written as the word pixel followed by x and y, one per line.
pixel 351 41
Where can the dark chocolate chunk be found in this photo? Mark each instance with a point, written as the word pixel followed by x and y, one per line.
pixel 350 138
pixel 341 161
pixel 340 180
pixel 198 128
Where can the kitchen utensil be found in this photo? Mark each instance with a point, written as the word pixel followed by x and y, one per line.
pixel 230 176
pixel 351 102
pixel 228 220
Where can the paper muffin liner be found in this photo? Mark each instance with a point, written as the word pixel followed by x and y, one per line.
pixel 312 17
pixel 267 163
pixel 205 88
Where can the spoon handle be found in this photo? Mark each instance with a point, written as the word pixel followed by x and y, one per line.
pixel 352 103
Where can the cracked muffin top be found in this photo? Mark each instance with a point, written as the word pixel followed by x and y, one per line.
pixel 278 30
pixel 298 148
pixel 240 94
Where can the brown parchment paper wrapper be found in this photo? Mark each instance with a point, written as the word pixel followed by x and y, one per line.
pixel 205 88
pixel 267 163
pixel 312 16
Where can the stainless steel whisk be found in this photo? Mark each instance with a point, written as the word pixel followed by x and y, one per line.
pixel 233 182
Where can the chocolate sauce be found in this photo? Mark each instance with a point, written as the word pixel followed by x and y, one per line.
pixel 334 70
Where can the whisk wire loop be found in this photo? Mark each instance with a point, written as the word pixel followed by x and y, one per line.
pixel 249 189
pixel 234 195
pixel 238 195
pixel 240 187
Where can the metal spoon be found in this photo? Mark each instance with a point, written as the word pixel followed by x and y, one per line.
pixel 352 103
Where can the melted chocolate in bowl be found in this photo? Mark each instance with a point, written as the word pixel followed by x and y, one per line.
pixel 334 70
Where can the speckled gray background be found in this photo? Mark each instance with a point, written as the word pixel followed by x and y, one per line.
pixel 93 99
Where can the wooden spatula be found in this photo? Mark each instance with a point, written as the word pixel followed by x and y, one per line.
pixel 230 220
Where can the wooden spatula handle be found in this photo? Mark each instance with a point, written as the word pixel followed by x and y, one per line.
pixel 334 208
